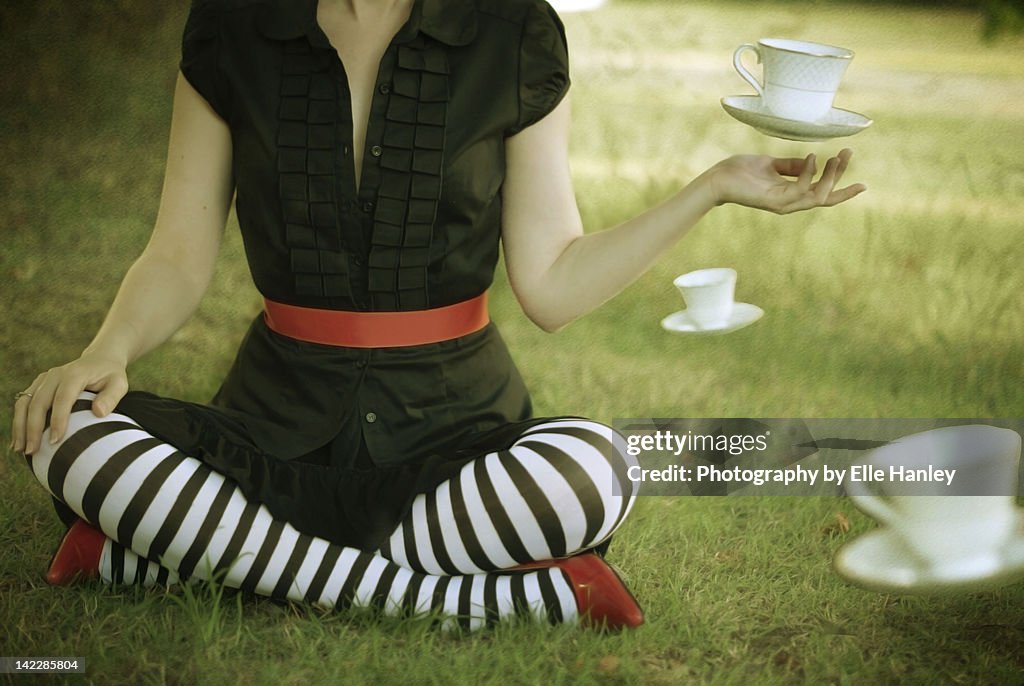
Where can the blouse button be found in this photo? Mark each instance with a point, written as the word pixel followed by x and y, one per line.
pixel 367 206
pixel 371 417
pixel 385 88
pixel 376 151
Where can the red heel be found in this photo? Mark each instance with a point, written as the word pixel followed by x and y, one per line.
pixel 601 596
pixel 78 555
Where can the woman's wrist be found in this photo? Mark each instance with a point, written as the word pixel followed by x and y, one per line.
pixel 704 190
pixel 106 351
pixel 707 188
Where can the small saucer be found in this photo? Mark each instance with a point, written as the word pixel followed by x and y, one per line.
pixel 743 314
pixel 879 561
pixel 750 110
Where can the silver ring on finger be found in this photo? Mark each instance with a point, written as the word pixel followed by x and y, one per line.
pixel 21 394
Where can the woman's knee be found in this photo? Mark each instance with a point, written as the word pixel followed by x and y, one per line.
pixel 87 443
pixel 591 458
pixel 597 448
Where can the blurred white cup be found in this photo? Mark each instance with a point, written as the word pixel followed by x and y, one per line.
pixel 709 295
pixel 953 527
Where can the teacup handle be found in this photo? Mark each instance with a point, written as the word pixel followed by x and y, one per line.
pixel 870 503
pixel 737 62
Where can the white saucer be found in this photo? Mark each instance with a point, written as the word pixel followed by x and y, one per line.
pixel 879 560
pixel 743 314
pixel 750 110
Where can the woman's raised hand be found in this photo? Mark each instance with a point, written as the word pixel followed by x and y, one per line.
pixel 761 182
pixel 55 391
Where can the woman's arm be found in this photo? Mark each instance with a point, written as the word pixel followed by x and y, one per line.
pixel 165 284
pixel 558 273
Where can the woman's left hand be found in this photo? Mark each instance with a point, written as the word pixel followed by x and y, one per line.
pixel 759 181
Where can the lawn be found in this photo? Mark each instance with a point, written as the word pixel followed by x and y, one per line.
pixel 903 303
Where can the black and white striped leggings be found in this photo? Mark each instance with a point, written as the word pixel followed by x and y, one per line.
pixel 560 488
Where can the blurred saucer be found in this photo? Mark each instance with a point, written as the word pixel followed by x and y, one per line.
pixel 750 110
pixel 880 561
pixel 743 314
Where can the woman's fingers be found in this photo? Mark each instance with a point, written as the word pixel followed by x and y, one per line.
pixel 844 194
pixel 63 399
pixel 803 182
pixel 18 422
pixel 841 162
pixel 110 394
pixel 789 166
pixel 109 391
pixel 54 392
pixel 827 182
pixel 35 419
pixel 844 161
pixel 822 193
pixel 830 179
pixel 57 399
pixel 21 406
pixel 802 193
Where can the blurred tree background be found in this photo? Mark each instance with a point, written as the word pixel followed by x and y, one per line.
pixel 1001 16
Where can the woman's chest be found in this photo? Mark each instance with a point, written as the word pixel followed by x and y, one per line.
pixel 437 120
pixel 369 177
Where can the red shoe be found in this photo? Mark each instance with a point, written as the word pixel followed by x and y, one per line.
pixel 602 598
pixel 78 555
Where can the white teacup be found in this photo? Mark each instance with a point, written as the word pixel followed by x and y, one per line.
pixel 708 294
pixel 800 78
pixel 952 528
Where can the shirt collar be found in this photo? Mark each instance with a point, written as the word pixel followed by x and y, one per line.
pixel 452 22
pixel 449 21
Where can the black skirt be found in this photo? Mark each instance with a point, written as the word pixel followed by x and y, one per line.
pixel 323 466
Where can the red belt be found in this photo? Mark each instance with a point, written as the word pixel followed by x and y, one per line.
pixel 377 329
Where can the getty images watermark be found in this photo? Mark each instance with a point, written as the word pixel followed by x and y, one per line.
pixel 732 456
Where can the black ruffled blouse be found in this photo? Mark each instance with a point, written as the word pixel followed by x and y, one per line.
pixel 338 440
pixel 422 230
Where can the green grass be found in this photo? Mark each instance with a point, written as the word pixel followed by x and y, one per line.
pixel 904 303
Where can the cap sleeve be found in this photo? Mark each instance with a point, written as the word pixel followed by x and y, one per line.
pixel 200 54
pixel 543 65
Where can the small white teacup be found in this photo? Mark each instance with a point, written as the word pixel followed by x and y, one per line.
pixel 708 294
pixel 954 528
pixel 800 77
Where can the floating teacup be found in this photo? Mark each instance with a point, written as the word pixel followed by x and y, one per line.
pixel 800 77
pixel 709 295
pixel 953 522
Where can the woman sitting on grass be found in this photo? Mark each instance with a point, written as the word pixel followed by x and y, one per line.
pixel 373 443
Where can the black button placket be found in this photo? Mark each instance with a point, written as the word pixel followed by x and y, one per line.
pixel 411 154
pixel 357 207
pixel 346 181
pixel 369 190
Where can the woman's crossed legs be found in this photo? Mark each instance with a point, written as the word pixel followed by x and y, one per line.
pixel 559 489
